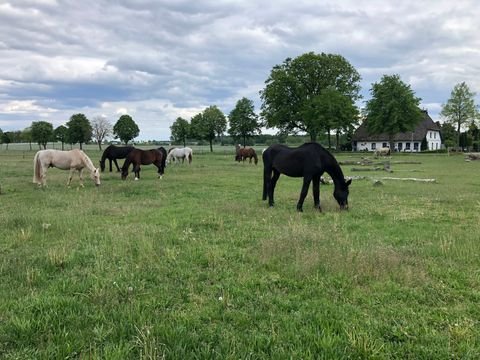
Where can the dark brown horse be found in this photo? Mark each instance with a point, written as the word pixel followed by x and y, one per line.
pixel 309 161
pixel 242 153
pixel 139 157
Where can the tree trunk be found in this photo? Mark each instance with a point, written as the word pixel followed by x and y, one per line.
pixel 62 145
pixel 81 148
pixel 211 146
pixel 329 140
pixel 337 139
pixel 313 136
pixel 184 142
pixel 100 145
pixel 244 140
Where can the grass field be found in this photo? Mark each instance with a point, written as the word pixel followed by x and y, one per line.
pixel 196 266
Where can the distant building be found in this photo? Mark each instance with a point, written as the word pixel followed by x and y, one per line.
pixel 409 141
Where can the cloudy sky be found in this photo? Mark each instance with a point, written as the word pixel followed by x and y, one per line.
pixel 157 60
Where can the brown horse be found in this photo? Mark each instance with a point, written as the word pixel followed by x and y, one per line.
pixel 242 153
pixel 139 157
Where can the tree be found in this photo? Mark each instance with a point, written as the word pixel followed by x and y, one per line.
pixel 6 139
pixel 42 132
pixel 293 85
pixel 125 129
pixel 328 111
pixel 79 129
pixel 27 136
pixel 101 128
pixel 460 108
pixel 243 120
pixel 209 124
pixel 393 108
pixel 61 134
pixel 180 130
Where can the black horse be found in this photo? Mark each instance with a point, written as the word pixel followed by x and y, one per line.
pixel 309 161
pixel 113 152
pixel 139 157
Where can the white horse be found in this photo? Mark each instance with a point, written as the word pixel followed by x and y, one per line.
pixel 66 160
pixel 384 151
pixel 179 153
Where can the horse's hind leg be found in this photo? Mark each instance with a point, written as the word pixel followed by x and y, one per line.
pixel 70 176
pixel 316 192
pixel 271 187
pixel 303 193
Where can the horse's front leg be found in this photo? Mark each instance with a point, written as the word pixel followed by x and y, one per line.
pixel 116 164
pixel 316 192
pixel 303 193
pixel 80 176
pixel 137 172
pixel 110 162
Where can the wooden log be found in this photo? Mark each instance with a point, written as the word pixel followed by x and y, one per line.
pixel 392 178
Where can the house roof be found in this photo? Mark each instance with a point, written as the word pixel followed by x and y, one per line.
pixel 361 134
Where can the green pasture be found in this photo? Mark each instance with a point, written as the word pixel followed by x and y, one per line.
pixel 196 266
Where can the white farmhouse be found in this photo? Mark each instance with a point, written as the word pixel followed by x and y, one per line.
pixel 410 141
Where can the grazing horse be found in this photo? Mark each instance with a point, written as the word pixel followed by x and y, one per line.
pixel 384 151
pixel 309 161
pixel 179 153
pixel 139 157
pixel 242 153
pixel 66 160
pixel 112 153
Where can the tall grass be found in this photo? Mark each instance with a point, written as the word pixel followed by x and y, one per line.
pixel 196 266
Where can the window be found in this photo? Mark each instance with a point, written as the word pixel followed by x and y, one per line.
pixel 415 146
pixel 435 135
pixel 400 145
pixel 407 146
pixel 430 134
pixel 384 145
pixel 374 146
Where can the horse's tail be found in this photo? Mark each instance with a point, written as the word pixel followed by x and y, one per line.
pixel 37 167
pixel 255 157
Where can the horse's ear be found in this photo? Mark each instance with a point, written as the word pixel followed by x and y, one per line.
pixel 348 182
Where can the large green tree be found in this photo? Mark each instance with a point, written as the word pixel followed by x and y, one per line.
pixel 61 134
pixel 393 108
pixel 6 138
pixel 126 129
pixel 209 124
pixel 42 132
pixel 460 108
pixel 243 120
pixel 79 129
pixel 293 86
pixel 180 130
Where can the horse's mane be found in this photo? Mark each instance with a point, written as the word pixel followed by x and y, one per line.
pixel 87 160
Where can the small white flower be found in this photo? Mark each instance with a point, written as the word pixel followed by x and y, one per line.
pixel 220 298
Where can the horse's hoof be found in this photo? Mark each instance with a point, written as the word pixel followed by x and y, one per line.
pixel 136 179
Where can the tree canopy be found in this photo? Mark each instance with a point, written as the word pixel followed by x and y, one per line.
pixel 209 124
pixel 243 120
pixel 180 130
pixel 79 129
pixel 294 85
pixel 61 134
pixel 126 129
pixel 42 132
pixel 460 108
pixel 393 108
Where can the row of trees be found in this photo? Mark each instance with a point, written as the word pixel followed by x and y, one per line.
pixel 77 130
pixel 313 94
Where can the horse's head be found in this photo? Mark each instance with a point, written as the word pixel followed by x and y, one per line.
pixel 124 172
pixel 96 176
pixel 102 165
pixel 341 194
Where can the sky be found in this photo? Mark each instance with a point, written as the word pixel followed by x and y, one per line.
pixel 158 60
